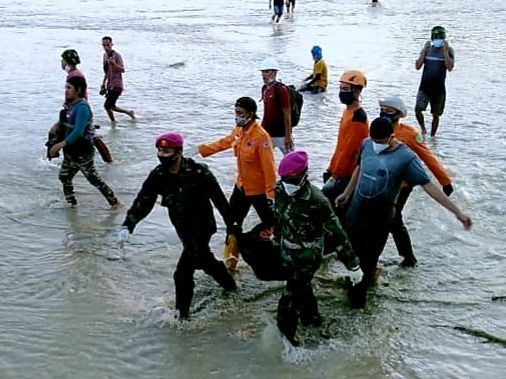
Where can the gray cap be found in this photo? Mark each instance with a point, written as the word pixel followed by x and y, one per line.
pixel 396 103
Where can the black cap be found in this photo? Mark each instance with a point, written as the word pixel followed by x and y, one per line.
pixel 381 127
pixel 248 104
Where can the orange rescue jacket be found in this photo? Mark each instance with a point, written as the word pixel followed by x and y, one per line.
pixel 353 129
pixel 412 139
pixel 256 170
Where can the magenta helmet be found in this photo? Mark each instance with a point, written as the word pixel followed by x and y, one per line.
pixel 169 139
pixel 293 164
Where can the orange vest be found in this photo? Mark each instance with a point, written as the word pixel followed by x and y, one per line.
pixel 412 139
pixel 256 170
pixel 349 141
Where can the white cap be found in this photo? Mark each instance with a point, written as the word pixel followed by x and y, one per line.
pixel 269 64
pixel 396 103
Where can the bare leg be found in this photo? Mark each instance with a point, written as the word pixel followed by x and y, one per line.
pixel 110 114
pixel 435 124
pixel 421 121
pixel 121 110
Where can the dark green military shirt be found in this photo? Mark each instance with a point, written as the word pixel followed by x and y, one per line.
pixel 303 220
pixel 187 195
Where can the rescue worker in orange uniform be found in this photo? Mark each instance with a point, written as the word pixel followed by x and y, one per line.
pixel 394 108
pixel 256 169
pixel 353 129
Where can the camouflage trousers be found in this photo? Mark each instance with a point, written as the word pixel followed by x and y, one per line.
pixel 84 163
pixel 197 255
pixel 298 300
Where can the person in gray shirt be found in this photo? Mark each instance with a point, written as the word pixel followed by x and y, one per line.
pixel 383 165
pixel 436 57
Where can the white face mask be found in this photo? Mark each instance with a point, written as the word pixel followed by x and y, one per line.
pixel 290 189
pixel 241 121
pixel 379 147
pixel 67 68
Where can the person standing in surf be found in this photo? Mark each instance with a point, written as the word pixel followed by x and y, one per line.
pixel 384 164
pixel 304 217
pixel 187 189
pixel 278 9
pixel 76 124
pixel 290 6
pixel 277 117
pixel 112 85
pixel 353 129
pixel 394 108
pixel 256 170
pixel 436 57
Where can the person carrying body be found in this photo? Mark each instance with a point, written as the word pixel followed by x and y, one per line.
pixel 277 115
pixel 353 129
pixel 384 164
pixel 187 189
pixel 304 217
pixel 436 58
pixel 394 108
pixel 256 170
pixel 317 81
pixel 76 122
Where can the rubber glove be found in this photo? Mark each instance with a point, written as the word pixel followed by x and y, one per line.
pixel 448 189
pixel 355 275
pixel 122 234
pixel 191 151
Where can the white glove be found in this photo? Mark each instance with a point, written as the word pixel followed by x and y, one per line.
pixel 190 151
pixel 355 275
pixel 122 234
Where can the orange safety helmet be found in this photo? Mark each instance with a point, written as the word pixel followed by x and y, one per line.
pixel 354 77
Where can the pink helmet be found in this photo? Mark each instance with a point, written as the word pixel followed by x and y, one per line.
pixel 169 139
pixel 293 164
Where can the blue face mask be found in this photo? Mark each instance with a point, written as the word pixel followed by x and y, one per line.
pixel 346 97
pixel 438 43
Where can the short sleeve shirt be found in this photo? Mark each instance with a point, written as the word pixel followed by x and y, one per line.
pixel 320 67
pixel 275 98
pixel 114 77
pixel 381 176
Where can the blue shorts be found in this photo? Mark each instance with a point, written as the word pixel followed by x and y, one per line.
pixel 278 10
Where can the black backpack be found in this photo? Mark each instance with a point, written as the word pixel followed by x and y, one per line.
pixel 296 101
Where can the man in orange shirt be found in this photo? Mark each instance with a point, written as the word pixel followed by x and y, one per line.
pixel 394 108
pixel 353 129
pixel 256 170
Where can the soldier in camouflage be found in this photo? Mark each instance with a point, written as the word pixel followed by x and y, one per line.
pixel 304 217
pixel 187 189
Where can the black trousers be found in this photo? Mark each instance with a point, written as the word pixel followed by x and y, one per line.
pixel 240 205
pixel 399 231
pixel 197 255
pixel 332 189
pixel 369 235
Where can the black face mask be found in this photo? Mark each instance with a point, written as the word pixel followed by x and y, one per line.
pixel 168 162
pixel 347 98
pixel 392 117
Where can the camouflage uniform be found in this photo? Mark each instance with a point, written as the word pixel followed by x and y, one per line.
pixel 187 195
pixel 302 222
pixel 79 156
